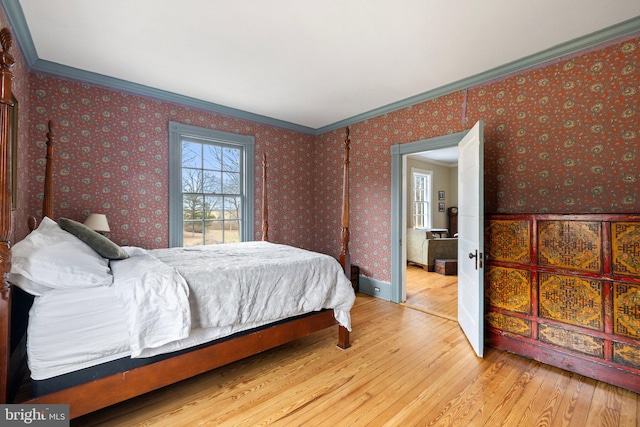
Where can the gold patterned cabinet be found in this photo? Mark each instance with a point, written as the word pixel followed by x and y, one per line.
pixel 565 290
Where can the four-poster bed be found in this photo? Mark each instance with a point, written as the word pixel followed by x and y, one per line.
pixel 89 396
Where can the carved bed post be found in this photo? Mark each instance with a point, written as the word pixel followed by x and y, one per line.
pixel 6 76
pixel 47 201
pixel 345 256
pixel 265 208
pixel 47 198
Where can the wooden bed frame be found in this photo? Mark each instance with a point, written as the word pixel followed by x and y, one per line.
pixel 91 396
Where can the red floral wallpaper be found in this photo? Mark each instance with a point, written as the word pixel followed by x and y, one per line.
pixel 561 138
pixel 564 138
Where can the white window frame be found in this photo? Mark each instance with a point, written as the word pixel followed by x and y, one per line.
pixel 180 131
pixel 429 196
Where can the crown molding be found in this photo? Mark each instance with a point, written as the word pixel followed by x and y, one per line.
pixel 18 24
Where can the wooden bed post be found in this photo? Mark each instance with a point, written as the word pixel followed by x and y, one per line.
pixel 6 76
pixel 265 208
pixel 345 256
pixel 47 201
pixel 47 198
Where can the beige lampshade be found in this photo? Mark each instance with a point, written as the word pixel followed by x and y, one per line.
pixel 97 222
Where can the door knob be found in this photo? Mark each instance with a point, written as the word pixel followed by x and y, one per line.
pixel 478 259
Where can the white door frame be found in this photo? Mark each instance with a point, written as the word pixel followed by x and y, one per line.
pixel 398 204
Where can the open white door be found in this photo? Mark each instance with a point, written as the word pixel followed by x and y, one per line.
pixel 471 237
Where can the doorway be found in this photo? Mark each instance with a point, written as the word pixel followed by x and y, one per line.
pixel 470 225
pixel 432 198
pixel 399 155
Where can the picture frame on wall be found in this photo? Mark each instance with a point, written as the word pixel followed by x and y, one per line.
pixel 440 195
pixel 441 207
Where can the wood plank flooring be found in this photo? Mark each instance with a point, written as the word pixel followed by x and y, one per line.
pixel 432 293
pixel 405 368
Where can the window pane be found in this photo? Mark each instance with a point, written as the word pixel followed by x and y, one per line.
pixel 212 182
pixel 212 157
pixel 191 181
pixel 231 231
pixel 230 183
pixel 232 208
pixel 192 233
pixel 214 233
pixel 215 208
pixel 230 159
pixel 420 185
pixel 191 155
pixel 192 206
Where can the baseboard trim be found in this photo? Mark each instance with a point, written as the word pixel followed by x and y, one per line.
pixel 375 288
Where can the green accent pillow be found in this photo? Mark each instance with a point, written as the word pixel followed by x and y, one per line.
pixel 99 243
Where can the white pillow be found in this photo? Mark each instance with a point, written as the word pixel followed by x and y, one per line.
pixel 49 257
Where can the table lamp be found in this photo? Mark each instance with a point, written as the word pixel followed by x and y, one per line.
pixel 97 222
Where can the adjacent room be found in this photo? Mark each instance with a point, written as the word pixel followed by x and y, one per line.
pixel 432 230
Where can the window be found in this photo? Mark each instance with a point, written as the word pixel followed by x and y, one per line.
pixel 421 198
pixel 210 186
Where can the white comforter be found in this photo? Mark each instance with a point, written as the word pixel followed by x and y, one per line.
pixel 229 287
pixel 155 298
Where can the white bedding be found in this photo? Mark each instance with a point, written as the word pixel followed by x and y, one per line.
pixel 155 298
pixel 222 293
pixel 74 329
pixel 291 281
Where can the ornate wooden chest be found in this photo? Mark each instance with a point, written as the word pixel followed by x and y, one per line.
pixel 565 290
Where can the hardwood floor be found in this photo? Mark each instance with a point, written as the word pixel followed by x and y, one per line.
pixel 405 368
pixel 432 293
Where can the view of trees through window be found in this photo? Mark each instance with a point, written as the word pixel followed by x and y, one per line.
pixel 211 193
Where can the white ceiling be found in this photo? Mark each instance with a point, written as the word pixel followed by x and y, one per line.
pixel 310 63
pixel 443 156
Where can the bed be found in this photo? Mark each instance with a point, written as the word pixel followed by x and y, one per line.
pixel 187 333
